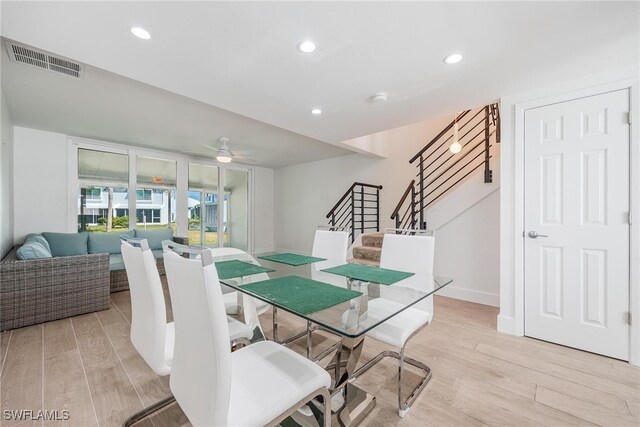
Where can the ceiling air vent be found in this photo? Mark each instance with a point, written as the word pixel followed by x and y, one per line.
pixel 41 59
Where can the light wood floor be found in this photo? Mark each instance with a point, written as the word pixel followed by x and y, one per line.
pixel 88 366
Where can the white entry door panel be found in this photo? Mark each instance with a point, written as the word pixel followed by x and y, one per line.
pixel 577 200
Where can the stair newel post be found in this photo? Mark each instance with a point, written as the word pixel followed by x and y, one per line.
pixel 353 216
pixel 487 134
pixel 421 193
pixel 361 209
pixel 333 219
pixel 377 209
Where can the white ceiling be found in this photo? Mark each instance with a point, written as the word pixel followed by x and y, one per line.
pixel 106 106
pixel 242 57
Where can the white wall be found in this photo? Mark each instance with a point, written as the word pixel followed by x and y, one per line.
pixel 468 249
pixel 467 225
pixel 263 200
pixel 40 182
pixel 6 178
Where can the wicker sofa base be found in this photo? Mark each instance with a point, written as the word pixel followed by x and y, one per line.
pixel 118 278
pixel 42 290
pixel 119 281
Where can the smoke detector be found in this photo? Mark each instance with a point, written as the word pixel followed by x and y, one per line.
pixel 45 61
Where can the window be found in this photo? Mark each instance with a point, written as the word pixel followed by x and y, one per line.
pixel 156 193
pixel 143 194
pixel 103 178
pixel 94 193
pixel 148 216
pixel 203 204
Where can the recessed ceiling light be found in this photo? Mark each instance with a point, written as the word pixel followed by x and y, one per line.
pixel 453 58
pixel 316 111
pixel 306 46
pixel 379 97
pixel 141 33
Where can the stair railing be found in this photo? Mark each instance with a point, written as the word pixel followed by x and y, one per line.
pixel 440 170
pixel 357 209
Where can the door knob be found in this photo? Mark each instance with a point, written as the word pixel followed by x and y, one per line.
pixel 534 235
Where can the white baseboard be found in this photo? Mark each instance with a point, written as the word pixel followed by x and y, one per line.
pixel 471 295
pixel 507 325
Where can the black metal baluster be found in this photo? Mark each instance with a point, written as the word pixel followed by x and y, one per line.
pixel 353 216
pixel 421 165
pixel 377 209
pixel 487 172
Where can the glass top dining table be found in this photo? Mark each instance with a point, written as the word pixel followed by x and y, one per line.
pixel 350 318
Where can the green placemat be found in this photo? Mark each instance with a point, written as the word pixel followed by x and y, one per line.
pixel 291 259
pixel 236 268
pixel 299 294
pixel 367 273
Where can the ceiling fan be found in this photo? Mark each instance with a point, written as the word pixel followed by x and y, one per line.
pixel 225 155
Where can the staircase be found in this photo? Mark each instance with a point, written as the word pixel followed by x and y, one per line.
pixel 369 252
pixel 439 171
pixel 357 211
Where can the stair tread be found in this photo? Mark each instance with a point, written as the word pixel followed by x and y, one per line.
pixel 364 262
pixel 373 240
pixel 369 253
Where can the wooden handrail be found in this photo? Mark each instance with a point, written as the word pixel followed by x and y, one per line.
pixel 404 196
pixel 346 193
pixel 433 141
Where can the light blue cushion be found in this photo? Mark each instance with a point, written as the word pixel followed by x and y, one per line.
pixel 157 253
pixel 67 244
pixel 116 262
pixel 106 242
pixel 32 250
pixel 155 237
pixel 35 237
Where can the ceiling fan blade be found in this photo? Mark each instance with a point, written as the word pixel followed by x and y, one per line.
pixel 209 147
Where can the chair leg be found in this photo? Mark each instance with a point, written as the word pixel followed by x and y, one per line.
pixel 239 343
pixel 149 410
pixel 322 393
pixel 274 319
pixel 403 406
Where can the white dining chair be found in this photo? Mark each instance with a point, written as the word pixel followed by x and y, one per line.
pixel 151 335
pixel 257 385
pixel 414 254
pixel 332 244
pixel 230 295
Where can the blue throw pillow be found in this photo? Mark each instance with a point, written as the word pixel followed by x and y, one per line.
pixel 35 237
pixel 106 242
pixel 154 237
pixel 67 244
pixel 32 250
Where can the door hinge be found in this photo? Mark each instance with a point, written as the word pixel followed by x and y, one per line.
pixel 629 217
pixel 629 117
pixel 627 317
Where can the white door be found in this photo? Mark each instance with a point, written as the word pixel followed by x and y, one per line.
pixel 577 201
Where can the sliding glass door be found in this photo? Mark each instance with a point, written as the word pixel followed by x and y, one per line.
pixel 203 204
pixel 236 208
